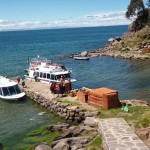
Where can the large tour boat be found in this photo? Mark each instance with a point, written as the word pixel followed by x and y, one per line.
pixel 43 70
pixel 9 90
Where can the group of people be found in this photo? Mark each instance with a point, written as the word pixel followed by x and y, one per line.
pixel 58 88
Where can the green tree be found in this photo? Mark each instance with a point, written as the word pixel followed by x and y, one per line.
pixel 134 7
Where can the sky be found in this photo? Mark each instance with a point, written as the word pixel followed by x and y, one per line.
pixel 39 14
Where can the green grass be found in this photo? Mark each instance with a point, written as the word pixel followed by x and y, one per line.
pixel 140 115
pixel 75 102
pixel 96 143
pixel 41 135
pixel 145 122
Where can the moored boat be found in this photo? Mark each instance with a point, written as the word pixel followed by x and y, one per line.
pixel 9 90
pixel 44 70
pixel 81 58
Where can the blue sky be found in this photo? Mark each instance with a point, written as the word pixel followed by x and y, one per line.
pixel 30 14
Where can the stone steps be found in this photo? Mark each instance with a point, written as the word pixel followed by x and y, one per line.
pixel 117 135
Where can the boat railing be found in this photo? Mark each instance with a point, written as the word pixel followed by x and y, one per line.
pixel 39 61
pixel 57 70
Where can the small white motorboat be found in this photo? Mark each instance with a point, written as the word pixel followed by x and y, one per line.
pixel 81 58
pixel 9 90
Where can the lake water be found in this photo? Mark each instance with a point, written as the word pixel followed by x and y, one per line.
pixel 129 77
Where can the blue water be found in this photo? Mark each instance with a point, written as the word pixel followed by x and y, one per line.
pixel 129 77
pixel 16 46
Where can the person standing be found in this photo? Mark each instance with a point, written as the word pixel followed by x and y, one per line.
pixel 62 85
pixel 53 88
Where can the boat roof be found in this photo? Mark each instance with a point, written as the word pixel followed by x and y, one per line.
pixel 60 73
pixel 5 82
pixel 51 70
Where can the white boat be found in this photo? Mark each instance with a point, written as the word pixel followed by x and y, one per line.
pixel 44 70
pixel 82 58
pixel 9 90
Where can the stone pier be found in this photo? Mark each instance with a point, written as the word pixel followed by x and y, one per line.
pixel 117 135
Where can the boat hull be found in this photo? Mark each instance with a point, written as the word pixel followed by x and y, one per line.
pixel 13 97
pixel 81 58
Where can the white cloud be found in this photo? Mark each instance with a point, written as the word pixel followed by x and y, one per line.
pixel 95 19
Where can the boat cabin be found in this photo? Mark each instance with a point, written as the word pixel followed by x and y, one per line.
pixel 50 77
pixel 10 90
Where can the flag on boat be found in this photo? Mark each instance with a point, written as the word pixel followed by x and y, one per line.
pixel 38 56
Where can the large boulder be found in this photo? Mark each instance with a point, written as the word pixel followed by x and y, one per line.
pixel 111 40
pixel 58 127
pixel 143 133
pixel 43 147
pixel 84 54
pixel 91 121
pixel 62 145
pixel 118 38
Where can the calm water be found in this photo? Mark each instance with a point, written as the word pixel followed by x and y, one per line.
pixel 130 78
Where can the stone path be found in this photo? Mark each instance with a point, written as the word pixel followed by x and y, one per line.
pixel 117 135
pixel 43 89
pixel 39 88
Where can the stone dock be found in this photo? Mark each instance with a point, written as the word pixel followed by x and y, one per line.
pixel 116 133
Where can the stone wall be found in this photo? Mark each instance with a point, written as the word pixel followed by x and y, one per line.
pixel 64 110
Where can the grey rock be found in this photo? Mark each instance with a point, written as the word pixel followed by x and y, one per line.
pixel 143 135
pixel 87 129
pixel 111 40
pixel 62 145
pixel 91 121
pixel 84 54
pixel 118 38
pixel 58 127
pixel 43 147
pixel 76 147
pixel 76 130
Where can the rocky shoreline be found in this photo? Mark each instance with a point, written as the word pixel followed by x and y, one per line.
pixel 118 47
pixel 63 110
pixel 72 137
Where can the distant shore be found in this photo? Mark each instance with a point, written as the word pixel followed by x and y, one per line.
pixel 126 48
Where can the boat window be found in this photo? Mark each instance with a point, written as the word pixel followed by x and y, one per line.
pixel 58 77
pixel 44 75
pixel 0 91
pixel 34 73
pixel 41 74
pixel 5 91
pixel 17 89
pixel 11 90
pixel 67 75
pixel 52 77
pixel 48 76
